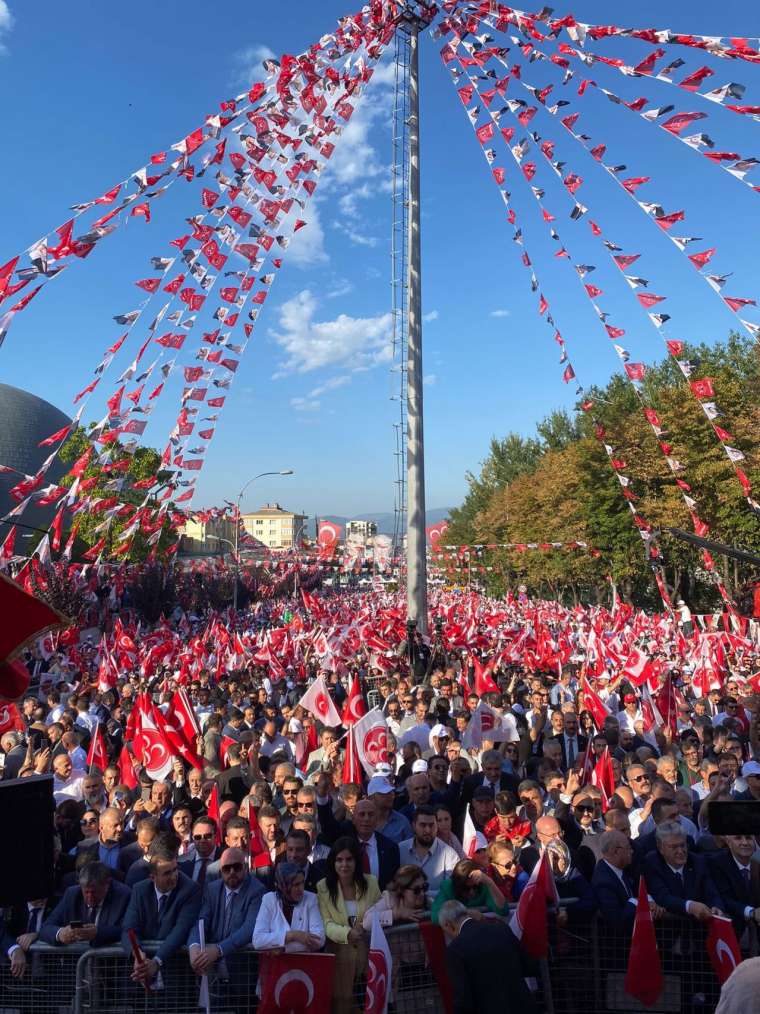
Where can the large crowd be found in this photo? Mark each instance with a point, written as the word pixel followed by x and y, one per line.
pixel 518 733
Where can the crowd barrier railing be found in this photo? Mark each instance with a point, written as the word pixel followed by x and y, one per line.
pixel 584 972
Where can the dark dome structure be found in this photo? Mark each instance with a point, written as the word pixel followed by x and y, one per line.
pixel 26 419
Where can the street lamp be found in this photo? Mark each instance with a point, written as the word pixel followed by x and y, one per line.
pixel 281 471
pixel 296 537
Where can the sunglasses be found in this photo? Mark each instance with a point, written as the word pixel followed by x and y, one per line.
pixel 290 792
pixel 204 837
pixel 89 820
pixel 233 868
pixel 419 889
pixel 641 778
pixel 584 809
pixel 306 806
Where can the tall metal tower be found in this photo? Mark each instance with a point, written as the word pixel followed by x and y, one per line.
pixel 407 311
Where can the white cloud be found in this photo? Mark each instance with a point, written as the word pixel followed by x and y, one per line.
pixel 330 385
pixel 430 379
pixel 341 287
pixel 6 23
pixel 247 63
pixel 357 238
pixel 307 247
pixel 304 405
pixel 429 317
pixel 355 343
pixel 500 313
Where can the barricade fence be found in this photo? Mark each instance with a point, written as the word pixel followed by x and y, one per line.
pixel 584 972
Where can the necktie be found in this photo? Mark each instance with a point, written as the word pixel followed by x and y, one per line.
pixel 201 878
pixel 365 857
pixel 228 907
pixel 570 752
pixel 31 926
pixel 90 917
pixel 161 909
pixel 745 877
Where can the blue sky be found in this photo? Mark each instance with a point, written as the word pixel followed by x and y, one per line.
pixel 92 89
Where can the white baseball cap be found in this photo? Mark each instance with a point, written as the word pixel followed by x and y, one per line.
pixel 420 766
pixel 750 768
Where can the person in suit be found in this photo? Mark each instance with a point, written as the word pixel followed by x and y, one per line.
pixel 737 878
pixel 483 962
pixel 491 776
pixel 236 780
pixel 188 791
pixel 379 855
pixel 229 910
pixel 21 927
pixel 680 883
pixel 344 896
pixel 571 742
pixel 297 849
pixel 289 915
pixel 164 907
pixel 614 884
pixel 133 857
pixel 99 902
pixel 206 851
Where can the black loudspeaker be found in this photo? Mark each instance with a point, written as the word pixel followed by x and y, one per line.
pixel 26 839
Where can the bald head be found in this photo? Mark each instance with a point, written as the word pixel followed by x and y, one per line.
pixel 616 849
pixel 548 828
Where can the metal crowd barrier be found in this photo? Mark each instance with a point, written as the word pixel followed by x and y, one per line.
pixel 584 972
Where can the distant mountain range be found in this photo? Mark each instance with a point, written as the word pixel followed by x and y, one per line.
pixel 384 521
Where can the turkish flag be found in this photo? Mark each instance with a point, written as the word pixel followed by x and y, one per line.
pixel 603 777
pixel 352 771
pixel 354 708
pixel 594 703
pixel 97 755
pixel 379 968
pixel 637 667
pixel 643 978
pixel 723 947
pixel 529 920
pixel 10 718
pixel 127 774
pixel 212 809
pixel 31 619
pixel 291 983
pixel 484 683
pixel 320 704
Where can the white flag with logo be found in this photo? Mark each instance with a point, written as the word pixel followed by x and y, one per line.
pixel 318 701
pixel 371 740
pixel 378 970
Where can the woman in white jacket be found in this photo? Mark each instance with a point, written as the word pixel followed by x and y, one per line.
pixel 289 917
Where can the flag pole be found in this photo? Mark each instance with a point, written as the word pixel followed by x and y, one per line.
pixel 416 563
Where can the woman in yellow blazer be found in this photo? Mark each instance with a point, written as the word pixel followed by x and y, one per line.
pixel 344 896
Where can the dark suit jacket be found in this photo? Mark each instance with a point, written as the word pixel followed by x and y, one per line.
pixel 174 927
pixel 670 893
pixel 72 906
pixel 612 897
pixel 485 970
pixel 733 889
pixel 234 783
pixel 582 742
pixel 508 783
pixel 388 859
pixel 243 918
pixel 128 855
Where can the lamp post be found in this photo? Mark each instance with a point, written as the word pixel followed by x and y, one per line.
pixel 281 471
pixel 296 537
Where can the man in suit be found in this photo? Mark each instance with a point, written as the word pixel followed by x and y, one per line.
pixel 491 776
pixel 98 902
pixel 680 883
pixel 737 879
pixel 188 791
pixel 612 883
pixel 164 907
pixel 483 962
pixel 380 855
pixel 204 840
pixel 237 835
pixel 297 849
pixel 147 829
pixel 235 781
pixel 571 743
pixel 229 910
pixel 21 927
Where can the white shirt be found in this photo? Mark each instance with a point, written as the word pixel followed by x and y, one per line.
pixel 268 747
pixel 71 788
pixel 627 721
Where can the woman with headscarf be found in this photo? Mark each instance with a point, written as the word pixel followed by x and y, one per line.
pixel 344 896
pixel 289 916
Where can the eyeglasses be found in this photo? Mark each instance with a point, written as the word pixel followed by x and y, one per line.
pixel 233 868
pixel 204 837
pixel 89 820
pixel 584 809
pixel 290 792
pixel 640 778
pixel 419 889
pixel 305 806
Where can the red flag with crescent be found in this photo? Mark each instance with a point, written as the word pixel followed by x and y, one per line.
pixel 291 983
pixel 354 708
pixel 328 538
pixel 723 947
